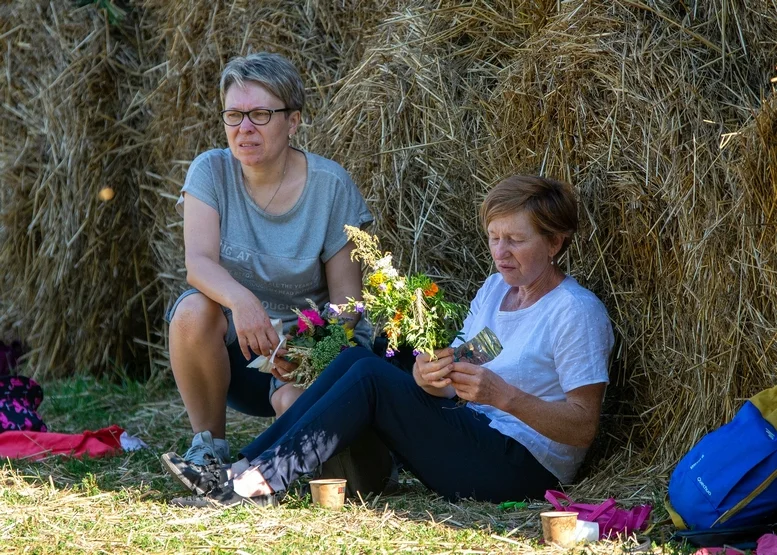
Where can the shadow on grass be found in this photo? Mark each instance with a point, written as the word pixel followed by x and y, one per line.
pixel 157 416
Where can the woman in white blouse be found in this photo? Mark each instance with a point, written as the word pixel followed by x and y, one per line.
pixel 530 414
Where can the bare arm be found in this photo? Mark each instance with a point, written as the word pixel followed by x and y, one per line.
pixel 573 421
pixel 344 279
pixel 202 236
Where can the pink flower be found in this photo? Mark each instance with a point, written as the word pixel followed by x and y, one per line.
pixel 311 315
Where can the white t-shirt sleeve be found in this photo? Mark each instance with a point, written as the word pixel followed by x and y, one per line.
pixel 582 344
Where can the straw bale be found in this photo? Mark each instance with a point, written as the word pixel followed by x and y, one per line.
pixel 74 266
pixel 653 109
pixel 411 122
pixel 629 101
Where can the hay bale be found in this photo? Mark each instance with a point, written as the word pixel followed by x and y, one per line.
pixel 629 102
pixel 427 105
pixel 75 266
pixel 411 124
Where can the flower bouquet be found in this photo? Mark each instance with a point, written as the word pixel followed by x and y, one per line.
pixel 312 343
pixel 410 310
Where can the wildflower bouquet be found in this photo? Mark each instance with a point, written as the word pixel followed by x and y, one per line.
pixel 315 341
pixel 411 310
pixel 312 343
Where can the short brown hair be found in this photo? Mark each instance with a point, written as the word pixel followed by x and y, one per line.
pixel 272 71
pixel 551 205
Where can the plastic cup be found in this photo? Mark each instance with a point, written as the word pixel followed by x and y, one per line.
pixel 328 493
pixel 558 527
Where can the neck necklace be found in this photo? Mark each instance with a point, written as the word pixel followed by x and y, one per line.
pixel 278 188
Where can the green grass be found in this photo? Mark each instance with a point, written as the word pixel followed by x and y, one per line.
pixel 119 504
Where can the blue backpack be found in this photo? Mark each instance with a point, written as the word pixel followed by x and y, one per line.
pixel 729 478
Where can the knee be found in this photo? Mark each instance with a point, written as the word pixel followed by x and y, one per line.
pixel 372 368
pixel 351 356
pixel 197 317
pixel 284 397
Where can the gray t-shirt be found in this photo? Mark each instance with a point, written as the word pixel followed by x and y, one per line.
pixel 279 258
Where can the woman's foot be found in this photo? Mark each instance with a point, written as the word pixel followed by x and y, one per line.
pixel 223 497
pixel 199 479
pixel 204 445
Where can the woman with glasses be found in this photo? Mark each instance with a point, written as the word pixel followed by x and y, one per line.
pixel 263 232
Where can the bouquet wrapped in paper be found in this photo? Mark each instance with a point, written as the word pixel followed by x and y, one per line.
pixel 312 343
pixel 411 310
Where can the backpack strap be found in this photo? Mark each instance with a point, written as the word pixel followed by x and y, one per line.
pixel 677 520
pixel 746 501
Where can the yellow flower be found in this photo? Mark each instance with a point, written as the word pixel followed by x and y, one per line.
pixel 349 333
pixel 376 279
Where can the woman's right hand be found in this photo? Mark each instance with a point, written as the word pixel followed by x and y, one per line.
pixel 253 327
pixel 433 373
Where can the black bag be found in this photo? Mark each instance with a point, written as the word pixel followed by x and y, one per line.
pixel 20 398
pixel 403 358
pixel 367 464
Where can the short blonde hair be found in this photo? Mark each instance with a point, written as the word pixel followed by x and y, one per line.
pixel 272 71
pixel 550 204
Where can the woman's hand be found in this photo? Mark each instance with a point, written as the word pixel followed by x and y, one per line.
pixel 478 384
pixel 281 367
pixel 433 373
pixel 253 327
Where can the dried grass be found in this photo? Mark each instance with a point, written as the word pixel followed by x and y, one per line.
pixel 630 102
pixel 653 109
pixel 411 124
pixel 72 124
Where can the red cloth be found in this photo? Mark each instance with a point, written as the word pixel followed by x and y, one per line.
pixel 39 445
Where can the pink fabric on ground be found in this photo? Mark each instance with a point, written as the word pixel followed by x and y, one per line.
pixel 767 545
pixel 39 445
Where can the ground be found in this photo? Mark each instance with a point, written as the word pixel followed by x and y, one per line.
pixel 119 504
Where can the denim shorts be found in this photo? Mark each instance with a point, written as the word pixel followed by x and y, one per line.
pixel 249 390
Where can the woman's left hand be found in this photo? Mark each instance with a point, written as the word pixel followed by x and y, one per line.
pixel 281 367
pixel 478 384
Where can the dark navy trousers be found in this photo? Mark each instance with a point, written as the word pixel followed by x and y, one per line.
pixel 449 447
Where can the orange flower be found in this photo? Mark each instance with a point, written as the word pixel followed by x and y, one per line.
pixel 432 290
pixel 398 317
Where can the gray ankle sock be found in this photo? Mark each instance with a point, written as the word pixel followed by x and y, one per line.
pixel 222 448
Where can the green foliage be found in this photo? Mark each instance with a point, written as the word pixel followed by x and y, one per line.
pixel 314 342
pixel 410 309
pixel 113 11
pixel 329 347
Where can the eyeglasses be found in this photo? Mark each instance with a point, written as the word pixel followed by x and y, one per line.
pixel 233 118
